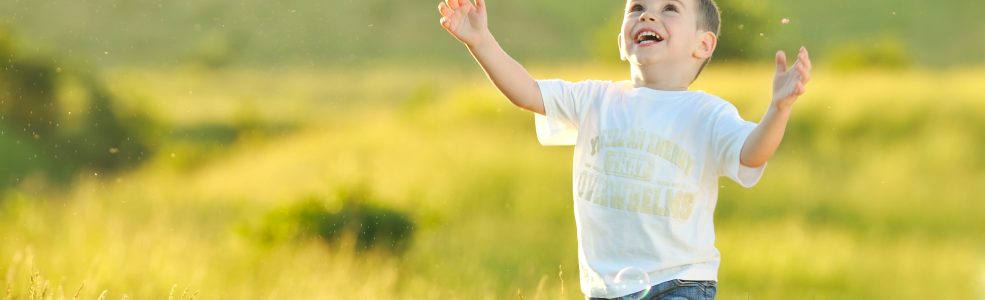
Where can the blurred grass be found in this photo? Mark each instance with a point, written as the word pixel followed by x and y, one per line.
pixel 872 196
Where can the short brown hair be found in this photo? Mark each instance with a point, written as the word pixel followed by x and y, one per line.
pixel 709 19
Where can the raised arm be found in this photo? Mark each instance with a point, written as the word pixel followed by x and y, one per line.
pixel 788 84
pixel 468 23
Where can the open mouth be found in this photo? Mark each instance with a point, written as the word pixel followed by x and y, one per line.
pixel 648 37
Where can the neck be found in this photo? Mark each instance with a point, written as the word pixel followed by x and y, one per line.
pixel 666 78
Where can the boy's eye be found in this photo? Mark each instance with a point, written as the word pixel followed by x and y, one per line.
pixel 636 8
pixel 670 7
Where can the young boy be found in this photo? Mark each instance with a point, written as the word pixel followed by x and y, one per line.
pixel 648 152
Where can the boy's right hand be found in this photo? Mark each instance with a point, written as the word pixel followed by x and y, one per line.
pixel 465 21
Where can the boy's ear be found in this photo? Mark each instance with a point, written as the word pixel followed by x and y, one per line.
pixel 623 56
pixel 706 45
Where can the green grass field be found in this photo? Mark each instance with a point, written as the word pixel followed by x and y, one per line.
pixel 875 193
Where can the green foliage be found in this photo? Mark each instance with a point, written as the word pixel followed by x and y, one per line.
pixel 19 156
pixel 743 25
pixel 68 121
pixel 349 216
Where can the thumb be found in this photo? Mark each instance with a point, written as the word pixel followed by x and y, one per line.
pixel 781 61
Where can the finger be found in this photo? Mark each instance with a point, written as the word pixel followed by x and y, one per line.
pixel 804 74
pixel 805 56
pixel 445 10
pixel 445 22
pixel 480 4
pixel 807 60
pixel 452 3
pixel 781 61
pixel 804 69
pixel 467 4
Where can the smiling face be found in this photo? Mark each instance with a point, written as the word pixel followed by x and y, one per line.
pixel 665 32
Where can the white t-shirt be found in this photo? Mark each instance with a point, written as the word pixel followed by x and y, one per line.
pixel 645 172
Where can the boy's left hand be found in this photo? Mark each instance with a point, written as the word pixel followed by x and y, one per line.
pixel 788 84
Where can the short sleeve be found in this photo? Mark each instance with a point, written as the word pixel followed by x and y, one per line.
pixel 729 135
pixel 565 106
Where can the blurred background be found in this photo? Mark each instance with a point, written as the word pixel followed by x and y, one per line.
pixel 352 149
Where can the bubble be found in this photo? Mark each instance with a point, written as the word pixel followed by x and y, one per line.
pixel 633 278
pixel 785 21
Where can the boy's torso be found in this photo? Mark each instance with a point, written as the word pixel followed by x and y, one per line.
pixel 645 189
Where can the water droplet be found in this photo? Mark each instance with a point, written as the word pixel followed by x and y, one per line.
pixel 114 150
pixel 58 70
pixel 742 26
pixel 370 25
pixel 785 21
pixel 106 52
pixel 172 154
pixel 894 12
pixel 761 34
pixel 294 11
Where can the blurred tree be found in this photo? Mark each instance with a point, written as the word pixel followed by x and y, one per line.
pixel 35 118
pixel 743 24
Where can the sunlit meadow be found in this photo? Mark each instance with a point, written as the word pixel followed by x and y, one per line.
pixel 874 194
pixel 343 149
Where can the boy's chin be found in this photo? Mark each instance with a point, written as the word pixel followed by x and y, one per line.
pixel 645 61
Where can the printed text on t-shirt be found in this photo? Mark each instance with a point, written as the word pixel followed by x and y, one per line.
pixel 626 177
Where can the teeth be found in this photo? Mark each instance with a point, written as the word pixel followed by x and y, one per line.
pixel 643 35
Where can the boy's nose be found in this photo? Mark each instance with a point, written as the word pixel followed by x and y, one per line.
pixel 646 17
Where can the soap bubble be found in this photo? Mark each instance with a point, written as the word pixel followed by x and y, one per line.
pixel 632 278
